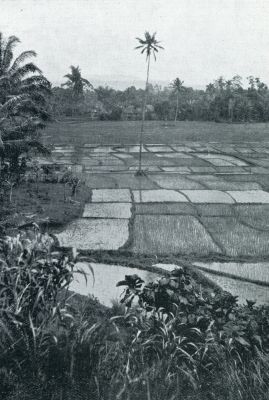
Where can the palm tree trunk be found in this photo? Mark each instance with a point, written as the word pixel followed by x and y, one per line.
pixel 176 108
pixel 141 139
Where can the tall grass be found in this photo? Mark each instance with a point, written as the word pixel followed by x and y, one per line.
pixel 178 342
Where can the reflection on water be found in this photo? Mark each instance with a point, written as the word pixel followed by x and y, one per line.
pixel 105 279
pixel 244 290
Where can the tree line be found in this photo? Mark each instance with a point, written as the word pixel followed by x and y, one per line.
pixel 221 100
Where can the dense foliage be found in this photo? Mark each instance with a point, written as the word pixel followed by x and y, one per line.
pixel 24 101
pixel 176 342
pixel 222 100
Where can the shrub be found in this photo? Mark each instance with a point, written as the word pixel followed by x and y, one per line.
pixel 195 330
pixel 33 307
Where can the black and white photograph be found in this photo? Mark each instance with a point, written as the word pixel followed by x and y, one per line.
pixel 134 200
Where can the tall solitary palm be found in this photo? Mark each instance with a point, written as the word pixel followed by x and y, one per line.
pixel 150 46
pixel 177 86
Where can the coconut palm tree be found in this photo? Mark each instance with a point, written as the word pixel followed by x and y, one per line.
pixel 23 98
pixel 177 86
pixel 150 46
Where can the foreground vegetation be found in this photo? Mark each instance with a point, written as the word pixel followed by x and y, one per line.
pixel 177 342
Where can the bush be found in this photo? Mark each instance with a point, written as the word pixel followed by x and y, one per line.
pixel 242 328
pixel 33 308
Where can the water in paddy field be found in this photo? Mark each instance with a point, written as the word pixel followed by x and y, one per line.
pixel 197 199
pixel 242 289
pixel 253 282
pixel 103 285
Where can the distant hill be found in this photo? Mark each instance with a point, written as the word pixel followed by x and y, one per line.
pixel 121 82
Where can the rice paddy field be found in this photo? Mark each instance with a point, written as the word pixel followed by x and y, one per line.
pixel 78 132
pixel 203 196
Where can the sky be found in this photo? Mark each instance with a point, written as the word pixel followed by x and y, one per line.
pixel 203 39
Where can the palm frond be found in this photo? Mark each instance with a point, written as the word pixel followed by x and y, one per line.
pixel 34 88
pixel 85 81
pixel 20 59
pixel 12 103
pixel 8 51
pixel 141 41
pixel 69 76
pixel 11 42
pixel 36 79
pixel 25 70
pixel 6 61
pixel 36 83
pixel 24 105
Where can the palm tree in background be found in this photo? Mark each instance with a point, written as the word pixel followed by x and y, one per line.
pixel 177 86
pixel 76 83
pixel 150 46
pixel 24 93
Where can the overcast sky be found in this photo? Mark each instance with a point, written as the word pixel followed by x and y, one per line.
pixel 203 39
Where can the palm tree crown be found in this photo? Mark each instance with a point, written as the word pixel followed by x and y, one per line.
pixel 75 82
pixel 23 93
pixel 177 85
pixel 23 88
pixel 149 44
